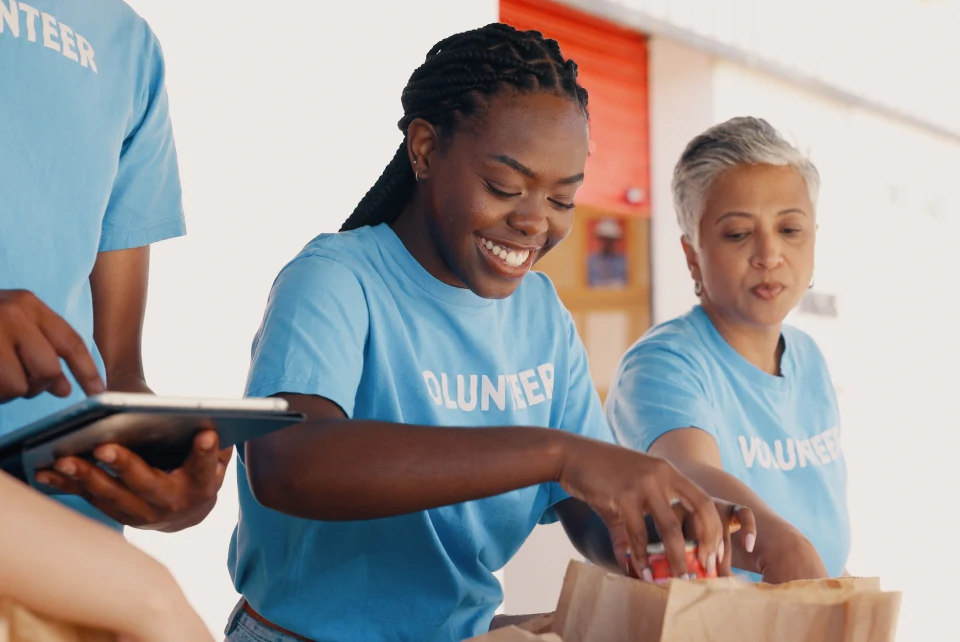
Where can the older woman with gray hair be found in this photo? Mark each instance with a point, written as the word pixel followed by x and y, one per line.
pixel 738 401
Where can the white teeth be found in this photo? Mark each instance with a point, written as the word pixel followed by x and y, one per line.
pixel 512 258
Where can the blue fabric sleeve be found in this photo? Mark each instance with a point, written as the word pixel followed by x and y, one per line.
pixel 657 389
pixel 146 203
pixel 313 334
pixel 583 412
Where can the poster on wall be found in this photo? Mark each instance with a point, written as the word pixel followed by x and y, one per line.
pixel 607 265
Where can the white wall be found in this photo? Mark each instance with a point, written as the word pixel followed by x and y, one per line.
pixel 681 106
pixel 284 116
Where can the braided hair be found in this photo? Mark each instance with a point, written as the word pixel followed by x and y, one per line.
pixel 459 74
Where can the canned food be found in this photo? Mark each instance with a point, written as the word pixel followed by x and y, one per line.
pixel 660 565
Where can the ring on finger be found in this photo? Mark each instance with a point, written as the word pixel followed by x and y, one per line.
pixel 733 518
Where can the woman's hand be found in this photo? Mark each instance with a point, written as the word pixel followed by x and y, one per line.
pixel 735 519
pixel 623 486
pixel 786 555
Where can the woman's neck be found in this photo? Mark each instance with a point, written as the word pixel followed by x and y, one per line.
pixel 412 230
pixel 760 345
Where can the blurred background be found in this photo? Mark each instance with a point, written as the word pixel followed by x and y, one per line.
pixel 285 114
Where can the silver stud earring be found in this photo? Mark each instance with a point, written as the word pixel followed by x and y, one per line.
pixel 416 173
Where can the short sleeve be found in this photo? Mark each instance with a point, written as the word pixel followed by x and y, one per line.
pixel 146 202
pixel 657 389
pixel 312 337
pixel 582 412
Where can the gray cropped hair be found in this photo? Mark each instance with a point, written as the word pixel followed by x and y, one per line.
pixel 739 141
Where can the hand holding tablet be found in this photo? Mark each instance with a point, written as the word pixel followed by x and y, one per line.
pixel 130 491
pixel 145 461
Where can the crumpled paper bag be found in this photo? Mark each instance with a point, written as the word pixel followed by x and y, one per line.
pixel 828 611
pixel 516 634
pixel 17 624
pixel 596 606
pixel 536 629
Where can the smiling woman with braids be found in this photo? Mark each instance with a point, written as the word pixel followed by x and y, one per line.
pixel 450 403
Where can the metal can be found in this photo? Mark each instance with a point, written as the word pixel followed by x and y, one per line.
pixel 660 565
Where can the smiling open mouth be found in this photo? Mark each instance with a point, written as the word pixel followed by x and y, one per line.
pixel 511 262
pixel 513 258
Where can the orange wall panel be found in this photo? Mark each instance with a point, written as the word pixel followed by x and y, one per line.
pixel 613 68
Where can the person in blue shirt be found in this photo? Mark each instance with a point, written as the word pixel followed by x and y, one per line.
pixel 449 400
pixel 735 398
pixel 88 178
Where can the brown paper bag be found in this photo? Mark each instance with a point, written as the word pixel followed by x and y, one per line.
pixel 539 624
pixel 515 634
pixel 17 624
pixel 827 611
pixel 596 606
pixel 535 629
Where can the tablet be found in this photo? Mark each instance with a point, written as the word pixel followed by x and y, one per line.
pixel 158 429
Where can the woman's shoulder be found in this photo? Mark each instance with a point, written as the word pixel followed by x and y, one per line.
pixel 341 246
pixel 807 359
pixel 337 254
pixel 330 265
pixel 673 348
pixel 802 344
pixel 680 335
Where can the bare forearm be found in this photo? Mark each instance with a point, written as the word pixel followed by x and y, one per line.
pixel 354 470
pixel 128 383
pixel 47 552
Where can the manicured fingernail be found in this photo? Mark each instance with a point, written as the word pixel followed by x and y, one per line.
pixel 108 456
pixel 720 552
pixel 749 542
pixel 712 564
pixel 206 441
pixel 68 468
pixel 647 575
pixel 48 479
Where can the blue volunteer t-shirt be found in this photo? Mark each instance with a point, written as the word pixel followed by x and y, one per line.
pixel 357 320
pixel 778 435
pixel 87 159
